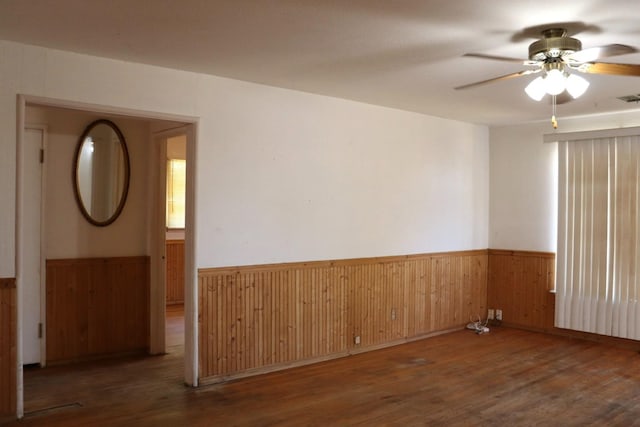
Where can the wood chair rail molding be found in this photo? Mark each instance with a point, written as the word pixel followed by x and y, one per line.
pixel 338 262
pixel 511 252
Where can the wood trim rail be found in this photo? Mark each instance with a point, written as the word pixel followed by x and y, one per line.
pixel 337 262
pixel 518 253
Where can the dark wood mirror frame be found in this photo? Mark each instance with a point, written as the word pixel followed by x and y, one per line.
pixel 117 208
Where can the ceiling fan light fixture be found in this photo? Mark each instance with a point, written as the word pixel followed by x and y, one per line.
pixel 536 89
pixel 576 85
pixel 554 82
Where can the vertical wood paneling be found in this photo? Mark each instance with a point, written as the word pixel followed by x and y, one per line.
pixel 8 347
pixel 520 284
pixel 96 306
pixel 175 271
pixel 260 317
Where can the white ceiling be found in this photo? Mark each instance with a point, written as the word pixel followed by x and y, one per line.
pixel 405 54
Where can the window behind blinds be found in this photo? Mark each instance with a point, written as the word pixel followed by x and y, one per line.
pixel 598 255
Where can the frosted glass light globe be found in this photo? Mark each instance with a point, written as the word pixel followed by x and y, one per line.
pixel 554 82
pixel 576 85
pixel 535 89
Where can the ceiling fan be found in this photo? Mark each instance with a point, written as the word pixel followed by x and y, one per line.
pixel 557 57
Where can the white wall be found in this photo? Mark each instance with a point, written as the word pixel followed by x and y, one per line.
pixel 523 205
pixel 304 177
pixel 67 233
pixel 281 175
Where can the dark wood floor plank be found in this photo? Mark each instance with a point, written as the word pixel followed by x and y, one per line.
pixel 506 377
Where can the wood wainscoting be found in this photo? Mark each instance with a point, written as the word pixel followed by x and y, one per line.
pixel 8 347
pixel 96 306
pixel 521 284
pixel 175 271
pixel 267 317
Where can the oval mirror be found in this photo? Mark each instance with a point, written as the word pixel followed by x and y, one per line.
pixel 101 175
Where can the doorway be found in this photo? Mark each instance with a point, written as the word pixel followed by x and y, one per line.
pixel 26 232
pixel 31 208
pixel 173 162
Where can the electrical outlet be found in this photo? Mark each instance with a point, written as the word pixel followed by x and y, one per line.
pixel 393 314
pixel 491 314
pixel 356 340
pixel 499 314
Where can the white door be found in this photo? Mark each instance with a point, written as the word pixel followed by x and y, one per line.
pixel 32 313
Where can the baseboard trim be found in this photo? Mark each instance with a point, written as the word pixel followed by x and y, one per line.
pixel 624 343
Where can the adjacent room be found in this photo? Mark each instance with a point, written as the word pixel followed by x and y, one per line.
pixel 319 213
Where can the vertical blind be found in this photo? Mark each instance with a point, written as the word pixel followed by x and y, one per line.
pixel 597 277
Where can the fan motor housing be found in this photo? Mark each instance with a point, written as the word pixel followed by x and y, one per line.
pixel 554 44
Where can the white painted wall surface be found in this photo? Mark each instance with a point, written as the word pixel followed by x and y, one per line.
pixel 67 233
pixel 301 177
pixel 281 175
pixel 523 189
pixel 523 205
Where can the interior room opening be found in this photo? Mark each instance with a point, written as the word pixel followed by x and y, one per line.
pixel 71 307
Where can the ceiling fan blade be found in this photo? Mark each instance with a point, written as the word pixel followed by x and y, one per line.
pixel 495 79
pixel 593 53
pixel 501 58
pixel 609 68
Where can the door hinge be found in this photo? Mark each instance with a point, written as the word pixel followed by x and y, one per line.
pixel 39 330
pixel 41 155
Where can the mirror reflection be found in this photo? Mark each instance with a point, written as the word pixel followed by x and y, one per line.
pixel 101 172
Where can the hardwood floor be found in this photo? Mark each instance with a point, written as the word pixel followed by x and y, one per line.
pixel 507 377
pixel 175 327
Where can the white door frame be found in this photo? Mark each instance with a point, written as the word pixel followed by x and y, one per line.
pixel 158 250
pixel 191 288
pixel 43 242
pixel 158 230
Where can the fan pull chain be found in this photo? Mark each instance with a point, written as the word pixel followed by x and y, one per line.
pixel 554 122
